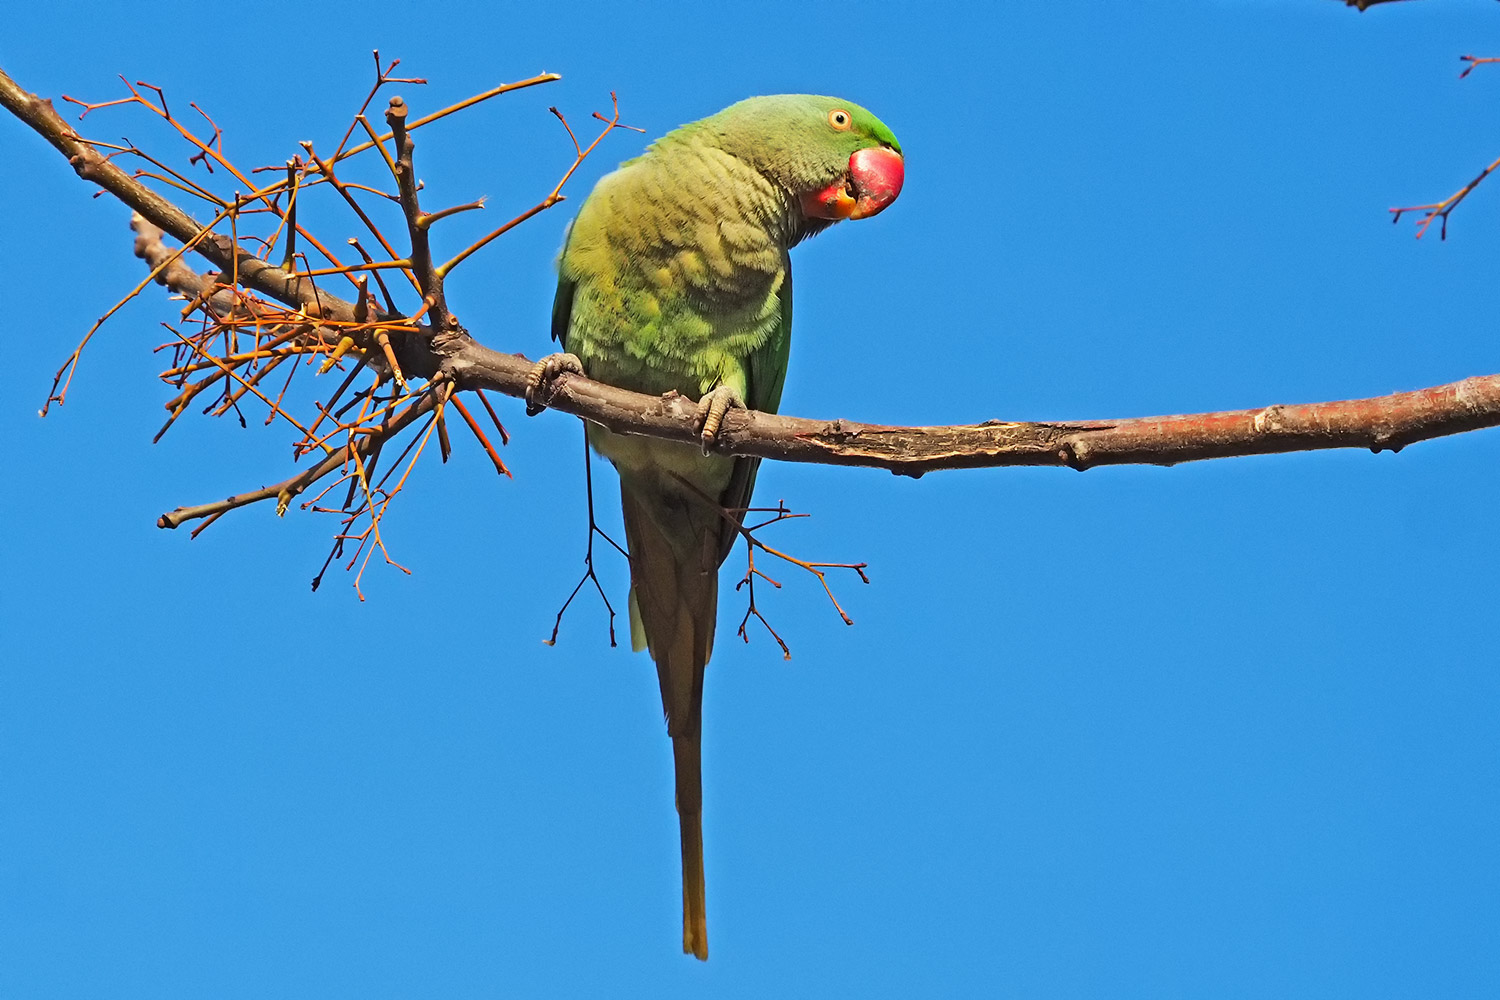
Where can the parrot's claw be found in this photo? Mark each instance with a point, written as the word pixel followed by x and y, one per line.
pixel 711 410
pixel 539 380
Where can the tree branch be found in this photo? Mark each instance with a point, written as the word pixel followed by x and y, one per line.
pixel 1380 423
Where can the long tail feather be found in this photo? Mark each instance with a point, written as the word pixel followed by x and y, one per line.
pixel 674 559
pixel 687 758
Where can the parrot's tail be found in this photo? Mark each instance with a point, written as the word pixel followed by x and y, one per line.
pixel 675 549
pixel 686 756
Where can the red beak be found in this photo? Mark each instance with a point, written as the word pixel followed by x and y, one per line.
pixel 874 181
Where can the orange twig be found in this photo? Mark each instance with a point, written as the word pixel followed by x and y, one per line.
pixel 1442 209
pixel 489 449
pixel 1475 61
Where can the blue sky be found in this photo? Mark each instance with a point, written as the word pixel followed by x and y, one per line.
pixel 1219 730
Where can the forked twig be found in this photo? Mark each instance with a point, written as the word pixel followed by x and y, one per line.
pixel 1474 61
pixel 734 517
pixel 588 557
pixel 818 569
pixel 1442 209
pixel 749 582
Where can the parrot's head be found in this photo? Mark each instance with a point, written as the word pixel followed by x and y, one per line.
pixel 833 157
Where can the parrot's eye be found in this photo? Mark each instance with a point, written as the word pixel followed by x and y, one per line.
pixel 840 119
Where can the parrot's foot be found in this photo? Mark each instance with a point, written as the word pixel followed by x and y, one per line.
pixel 539 381
pixel 711 410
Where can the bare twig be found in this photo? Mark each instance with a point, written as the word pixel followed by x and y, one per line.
pixel 1442 209
pixel 748 582
pixel 1473 61
pixel 589 576
pixel 428 280
pixel 734 518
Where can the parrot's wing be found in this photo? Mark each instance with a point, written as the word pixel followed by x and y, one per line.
pixel 765 376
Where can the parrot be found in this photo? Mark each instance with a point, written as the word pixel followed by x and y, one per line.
pixel 675 276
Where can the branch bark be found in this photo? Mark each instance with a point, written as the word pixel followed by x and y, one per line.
pixel 1383 423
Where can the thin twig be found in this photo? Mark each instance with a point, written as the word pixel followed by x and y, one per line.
pixel 588 556
pixel 1441 210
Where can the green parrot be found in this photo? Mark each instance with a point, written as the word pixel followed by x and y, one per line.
pixel 675 276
